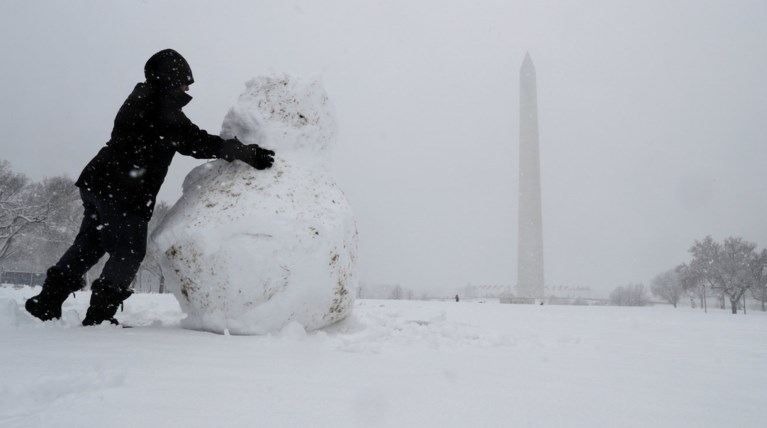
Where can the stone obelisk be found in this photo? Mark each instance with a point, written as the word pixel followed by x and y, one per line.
pixel 530 250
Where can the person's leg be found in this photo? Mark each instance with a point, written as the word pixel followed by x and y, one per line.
pixel 124 238
pixel 87 249
pixel 66 276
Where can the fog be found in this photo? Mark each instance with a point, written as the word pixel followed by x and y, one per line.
pixel 651 117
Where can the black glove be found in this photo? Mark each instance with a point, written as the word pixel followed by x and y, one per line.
pixel 251 154
pixel 261 158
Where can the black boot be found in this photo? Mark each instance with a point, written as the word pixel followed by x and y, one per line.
pixel 56 289
pixel 105 298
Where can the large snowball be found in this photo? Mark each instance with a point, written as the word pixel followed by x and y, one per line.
pixel 250 251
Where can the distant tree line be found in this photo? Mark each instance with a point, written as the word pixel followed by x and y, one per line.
pixel 387 292
pixel 726 271
pixel 630 295
pixel 39 221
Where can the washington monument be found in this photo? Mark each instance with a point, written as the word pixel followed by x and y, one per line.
pixel 530 250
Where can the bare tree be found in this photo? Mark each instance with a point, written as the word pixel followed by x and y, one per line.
pixel 694 284
pixel 618 297
pixel 397 293
pixel 760 294
pixel 18 213
pixel 729 267
pixel 51 238
pixel 759 271
pixel 668 286
pixel 631 295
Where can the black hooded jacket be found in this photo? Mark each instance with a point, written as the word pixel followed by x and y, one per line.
pixel 148 131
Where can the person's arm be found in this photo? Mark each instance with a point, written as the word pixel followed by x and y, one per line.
pixel 188 139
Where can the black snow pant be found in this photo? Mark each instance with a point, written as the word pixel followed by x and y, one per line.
pixel 107 228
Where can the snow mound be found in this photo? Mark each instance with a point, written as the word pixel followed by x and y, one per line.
pixel 9 313
pixel 13 314
pixel 281 112
pixel 249 252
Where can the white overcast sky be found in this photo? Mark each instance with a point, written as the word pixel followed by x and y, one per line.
pixel 652 117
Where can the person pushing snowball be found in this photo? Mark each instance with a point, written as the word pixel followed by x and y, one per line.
pixel 119 187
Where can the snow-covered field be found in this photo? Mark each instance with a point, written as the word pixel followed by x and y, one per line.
pixel 392 364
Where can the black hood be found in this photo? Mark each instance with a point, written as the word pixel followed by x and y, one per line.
pixel 168 69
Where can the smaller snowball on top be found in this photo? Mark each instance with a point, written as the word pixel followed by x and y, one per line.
pixel 283 113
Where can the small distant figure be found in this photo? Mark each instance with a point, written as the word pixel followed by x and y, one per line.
pixel 457 299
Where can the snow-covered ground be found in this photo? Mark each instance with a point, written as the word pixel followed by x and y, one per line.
pixel 391 364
